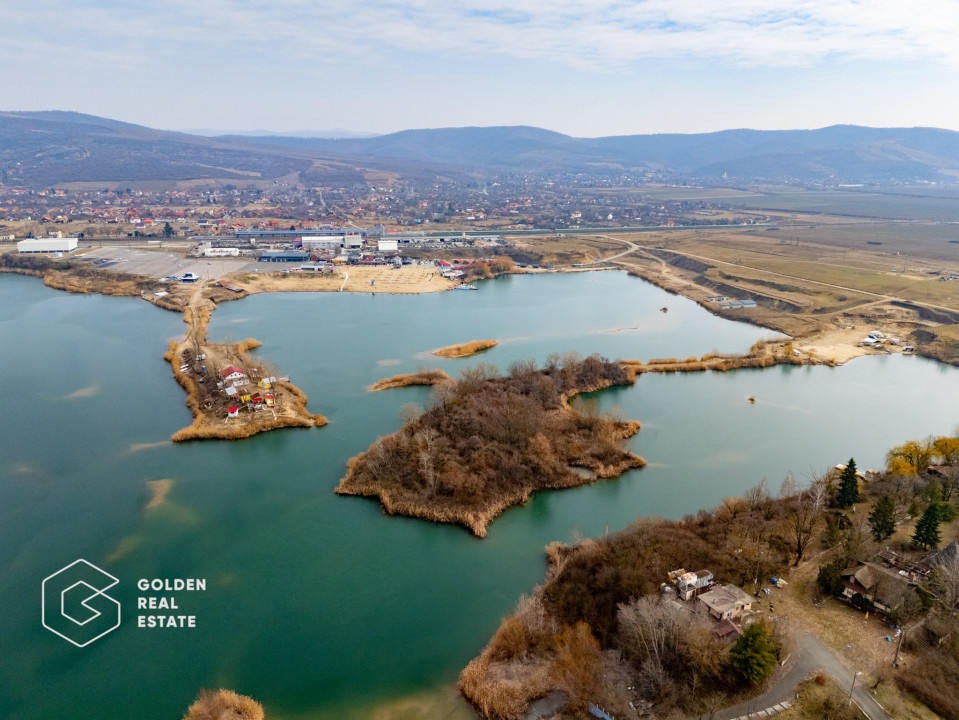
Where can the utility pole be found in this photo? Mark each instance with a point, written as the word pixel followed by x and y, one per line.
pixel 902 634
pixel 849 701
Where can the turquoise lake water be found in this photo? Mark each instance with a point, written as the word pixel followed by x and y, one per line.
pixel 318 605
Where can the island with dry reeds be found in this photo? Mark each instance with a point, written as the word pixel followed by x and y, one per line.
pixel 421 377
pixel 466 349
pixel 488 441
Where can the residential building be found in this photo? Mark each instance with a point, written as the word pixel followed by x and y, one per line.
pixel 726 602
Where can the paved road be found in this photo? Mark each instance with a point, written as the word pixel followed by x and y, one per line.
pixel 813 657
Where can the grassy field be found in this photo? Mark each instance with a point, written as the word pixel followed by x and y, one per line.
pixel 745 253
pixel 921 205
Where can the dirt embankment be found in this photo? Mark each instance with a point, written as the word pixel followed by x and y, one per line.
pixel 466 349
pixel 260 401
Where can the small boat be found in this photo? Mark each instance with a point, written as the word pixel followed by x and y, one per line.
pixel 465 287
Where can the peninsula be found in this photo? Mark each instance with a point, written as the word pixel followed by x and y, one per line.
pixel 242 397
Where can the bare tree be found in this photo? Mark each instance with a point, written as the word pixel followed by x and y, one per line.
pixel 757 496
pixel 819 493
pixel 857 543
pixel 789 487
pixel 801 524
pixel 409 414
pixel 426 439
pixel 944 579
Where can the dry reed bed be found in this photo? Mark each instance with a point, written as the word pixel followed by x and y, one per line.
pixel 224 705
pixel 423 377
pixel 466 349
pixel 762 355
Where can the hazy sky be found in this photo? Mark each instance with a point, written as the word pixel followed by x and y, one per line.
pixel 583 67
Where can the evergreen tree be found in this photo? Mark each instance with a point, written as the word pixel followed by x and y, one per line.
pixel 754 654
pixel 882 519
pixel 848 494
pixel 927 529
pixel 829 579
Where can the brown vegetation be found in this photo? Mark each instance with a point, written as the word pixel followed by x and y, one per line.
pixel 488 442
pixel 933 675
pixel 664 659
pixel 822 698
pixel 421 377
pixel 223 705
pixel 466 349
pixel 762 354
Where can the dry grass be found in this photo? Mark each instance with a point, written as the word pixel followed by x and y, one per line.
pixel 504 689
pixel 248 344
pixel 466 349
pixel 223 705
pixel 423 377
pixel 761 355
pixel 822 698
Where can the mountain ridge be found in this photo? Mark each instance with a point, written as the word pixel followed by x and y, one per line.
pixel 49 147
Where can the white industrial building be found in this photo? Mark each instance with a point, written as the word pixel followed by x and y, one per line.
pixel 220 252
pixel 384 245
pixel 322 242
pixel 47 245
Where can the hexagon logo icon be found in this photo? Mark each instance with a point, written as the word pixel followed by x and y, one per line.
pixel 75 605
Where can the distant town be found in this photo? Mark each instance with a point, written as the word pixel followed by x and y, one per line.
pixel 510 204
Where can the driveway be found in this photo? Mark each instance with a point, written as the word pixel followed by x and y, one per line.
pixel 813 656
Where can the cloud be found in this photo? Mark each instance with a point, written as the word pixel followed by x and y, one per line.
pixel 594 34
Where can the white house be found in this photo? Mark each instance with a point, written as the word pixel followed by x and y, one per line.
pixel 232 373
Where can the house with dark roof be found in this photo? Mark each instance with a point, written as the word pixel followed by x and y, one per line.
pixel 727 630
pixel 885 588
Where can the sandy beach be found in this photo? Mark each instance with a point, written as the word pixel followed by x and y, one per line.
pixel 839 345
pixel 379 279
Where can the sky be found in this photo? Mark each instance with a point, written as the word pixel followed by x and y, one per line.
pixel 587 68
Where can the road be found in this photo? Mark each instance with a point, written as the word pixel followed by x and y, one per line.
pixel 631 247
pixel 813 657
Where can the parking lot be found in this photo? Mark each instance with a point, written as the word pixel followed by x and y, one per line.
pixel 162 264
